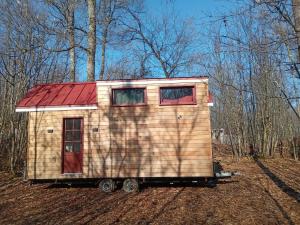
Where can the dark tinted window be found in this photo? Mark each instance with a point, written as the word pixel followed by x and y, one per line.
pixel 129 96
pixel 69 124
pixel 77 124
pixel 177 95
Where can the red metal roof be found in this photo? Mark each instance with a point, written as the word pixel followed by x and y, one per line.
pixel 62 94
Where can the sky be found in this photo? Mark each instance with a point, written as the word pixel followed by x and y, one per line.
pixel 196 7
pixel 201 11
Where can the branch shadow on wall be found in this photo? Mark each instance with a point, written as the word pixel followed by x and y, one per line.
pixel 182 138
pixel 147 140
pixel 130 143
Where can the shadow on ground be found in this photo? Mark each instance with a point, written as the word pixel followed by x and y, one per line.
pixel 279 183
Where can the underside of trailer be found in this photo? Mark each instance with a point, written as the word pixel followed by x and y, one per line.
pixel 133 184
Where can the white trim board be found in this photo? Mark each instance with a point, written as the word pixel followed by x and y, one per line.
pixel 54 108
pixel 143 82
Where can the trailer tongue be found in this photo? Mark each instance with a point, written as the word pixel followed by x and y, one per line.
pixel 225 174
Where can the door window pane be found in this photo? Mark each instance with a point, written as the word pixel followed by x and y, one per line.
pixel 76 136
pixel 76 146
pixel 129 96
pixel 77 124
pixel 69 124
pixel 69 136
pixel 68 147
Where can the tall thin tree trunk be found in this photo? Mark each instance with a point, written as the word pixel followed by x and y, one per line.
pixel 103 50
pixel 296 12
pixel 71 36
pixel 91 40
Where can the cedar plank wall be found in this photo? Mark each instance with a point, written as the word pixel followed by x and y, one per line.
pixel 142 141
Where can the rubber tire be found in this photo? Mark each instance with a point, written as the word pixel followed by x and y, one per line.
pixel 107 185
pixel 212 182
pixel 130 185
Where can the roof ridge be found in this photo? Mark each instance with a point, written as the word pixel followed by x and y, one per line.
pixel 156 78
pixel 66 83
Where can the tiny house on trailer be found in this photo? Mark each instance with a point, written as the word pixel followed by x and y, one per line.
pixel 122 130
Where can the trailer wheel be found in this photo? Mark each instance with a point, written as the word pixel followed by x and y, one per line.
pixel 130 185
pixel 107 185
pixel 212 182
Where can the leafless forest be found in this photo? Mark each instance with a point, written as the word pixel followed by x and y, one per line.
pixel 251 55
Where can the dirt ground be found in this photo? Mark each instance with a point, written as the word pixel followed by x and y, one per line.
pixel 266 192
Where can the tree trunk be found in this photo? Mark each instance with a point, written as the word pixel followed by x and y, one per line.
pixel 13 148
pixel 103 50
pixel 91 40
pixel 296 11
pixel 71 36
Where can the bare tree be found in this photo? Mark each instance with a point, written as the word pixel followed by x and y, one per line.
pixel 91 51
pixel 169 40
pixel 107 11
pixel 24 61
pixel 66 10
pixel 296 12
pixel 71 36
pixel 286 14
pixel 247 69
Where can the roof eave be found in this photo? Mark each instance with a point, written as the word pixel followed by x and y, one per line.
pixel 56 108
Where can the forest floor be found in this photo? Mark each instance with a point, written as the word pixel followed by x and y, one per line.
pixel 265 192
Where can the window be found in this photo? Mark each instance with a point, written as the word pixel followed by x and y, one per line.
pixel 177 95
pixel 72 135
pixel 129 96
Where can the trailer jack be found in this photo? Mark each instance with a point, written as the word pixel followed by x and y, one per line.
pixel 225 174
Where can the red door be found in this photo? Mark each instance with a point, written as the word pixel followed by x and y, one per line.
pixel 72 145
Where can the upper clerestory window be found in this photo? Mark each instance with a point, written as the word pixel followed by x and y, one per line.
pixel 129 96
pixel 177 95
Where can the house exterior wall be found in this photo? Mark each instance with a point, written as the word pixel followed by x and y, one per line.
pixel 136 141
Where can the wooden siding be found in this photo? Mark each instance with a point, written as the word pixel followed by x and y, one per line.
pixel 141 141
